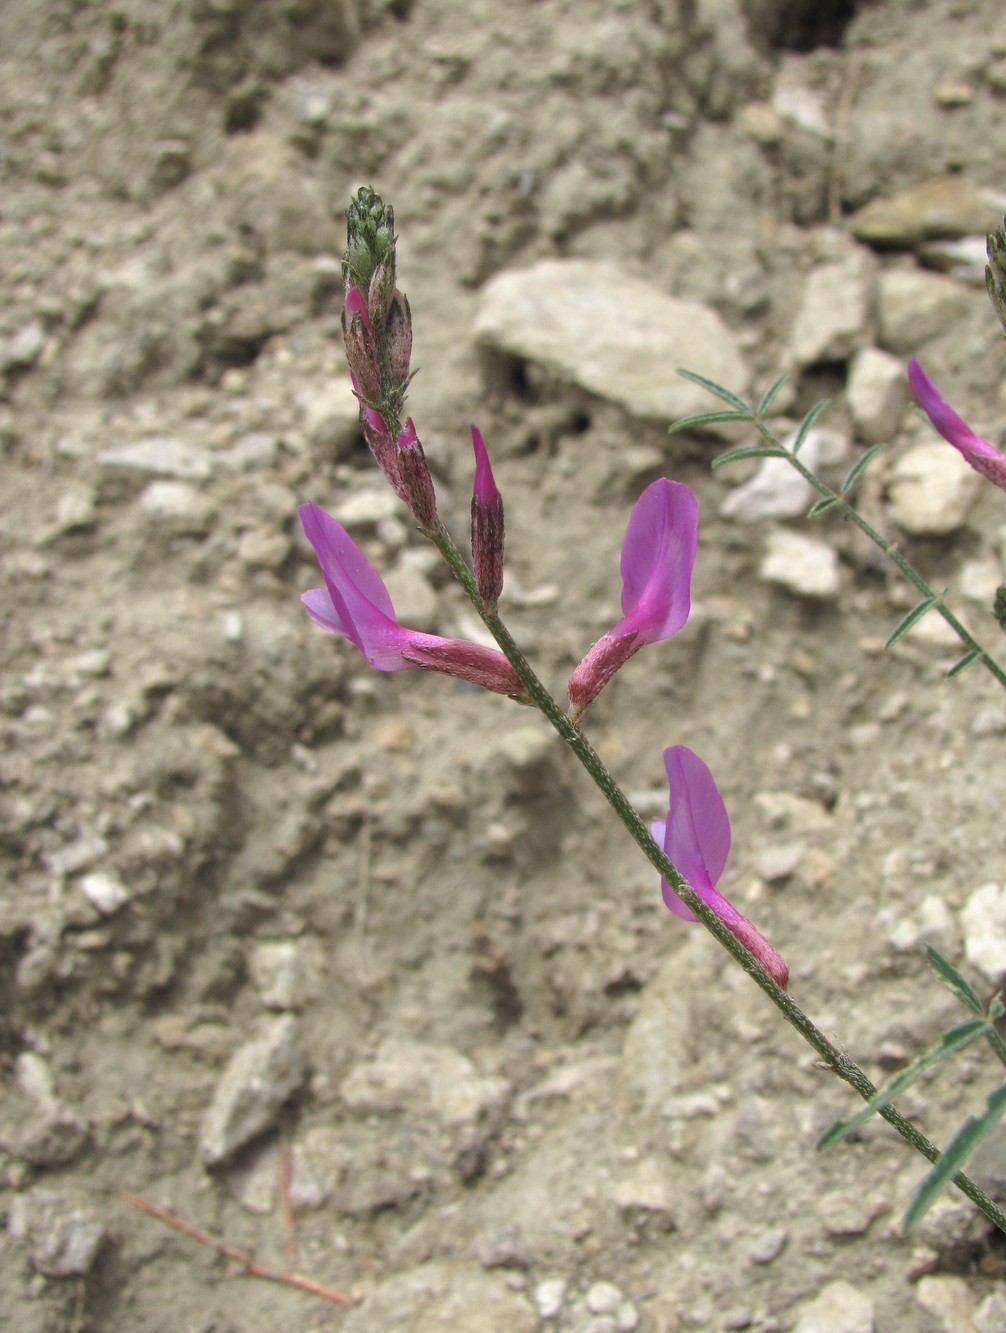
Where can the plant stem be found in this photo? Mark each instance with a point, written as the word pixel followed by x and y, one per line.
pixel 889 549
pixel 833 1058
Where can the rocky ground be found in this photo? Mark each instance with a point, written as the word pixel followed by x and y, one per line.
pixel 315 957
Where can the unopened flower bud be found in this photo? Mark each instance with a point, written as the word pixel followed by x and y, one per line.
pixel 487 525
pixel 361 350
pixel 381 291
pixel 399 335
pixel 999 606
pixel 414 472
pixel 995 271
pixel 370 240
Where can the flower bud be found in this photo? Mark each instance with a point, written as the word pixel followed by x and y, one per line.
pixel 995 271
pixel 487 525
pixel 370 241
pixel 361 350
pixel 414 472
pixel 399 335
pixel 381 291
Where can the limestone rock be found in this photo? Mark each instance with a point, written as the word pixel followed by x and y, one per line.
pixel 612 334
pixel 949 205
pixel 983 923
pixel 262 1074
pixel 426 1080
pixel 835 311
pixel 931 490
pixel 913 306
pixel 839 1308
pixel 801 564
pixel 877 391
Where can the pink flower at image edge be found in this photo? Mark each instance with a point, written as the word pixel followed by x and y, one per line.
pixel 982 456
pixel 355 604
pixel 696 840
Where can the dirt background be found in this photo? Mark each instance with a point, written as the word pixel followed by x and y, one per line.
pixel 516 1093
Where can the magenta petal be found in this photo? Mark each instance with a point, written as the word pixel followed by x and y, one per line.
pixel 951 426
pixel 658 554
pixel 485 490
pixel 355 304
pixel 697 833
pixel 358 604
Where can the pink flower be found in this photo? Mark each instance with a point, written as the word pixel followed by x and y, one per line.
pixel 982 456
pixel 355 603
pixel 696 840
pixel 658 553
pixel 487 525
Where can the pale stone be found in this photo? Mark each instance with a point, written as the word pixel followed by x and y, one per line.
pixel 951 205
pixel 424 1079
pixel 159 456
pixel 949 1300
pixel 176 508
pixel 876 391
pixel 777 490
pixel 835 310
pixel 983 923
pixel 261 1076
pixel 931 490
pixel 801 564
pixel 839 1308
pixel 612 334
pixel 914 306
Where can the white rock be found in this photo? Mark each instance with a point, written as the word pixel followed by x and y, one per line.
pixel 603 1298
pixel 549 1295
pixel 366 508
pixel 839 1308
pixel 876 391
pixel 285 972
pixel 950 1300
pixel 262 1074
pixel 176 508
pixel 931 490
pixel 983 924
pixel 802 564
pixel 777 490
pixel 835 310
pixel 914 306
pixel 612 334
pixel 414 599
pixel 159 456
pixel 104 892
pixel 424 1079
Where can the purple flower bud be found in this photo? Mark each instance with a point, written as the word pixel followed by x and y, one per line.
pixel 361 349
pixel 355 604
pixel 414 472
pixel 381 291
pixel 487 525
pixel 696 840
pixel 982 456
pixel 399 335
pixel 658 553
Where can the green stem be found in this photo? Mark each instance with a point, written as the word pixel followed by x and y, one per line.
pixel 889 549
pixel 833 1058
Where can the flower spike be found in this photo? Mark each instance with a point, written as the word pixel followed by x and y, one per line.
pixel 696 840
pixel 982 456
pixel 487 525
pixel 658 553
pixel 355 604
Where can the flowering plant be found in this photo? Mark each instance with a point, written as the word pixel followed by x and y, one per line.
pixel 688 849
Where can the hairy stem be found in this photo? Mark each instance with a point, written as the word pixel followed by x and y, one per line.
pixel 833 1058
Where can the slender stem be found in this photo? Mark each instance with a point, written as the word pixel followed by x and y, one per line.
pixel 833 1058
pixel 889 549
